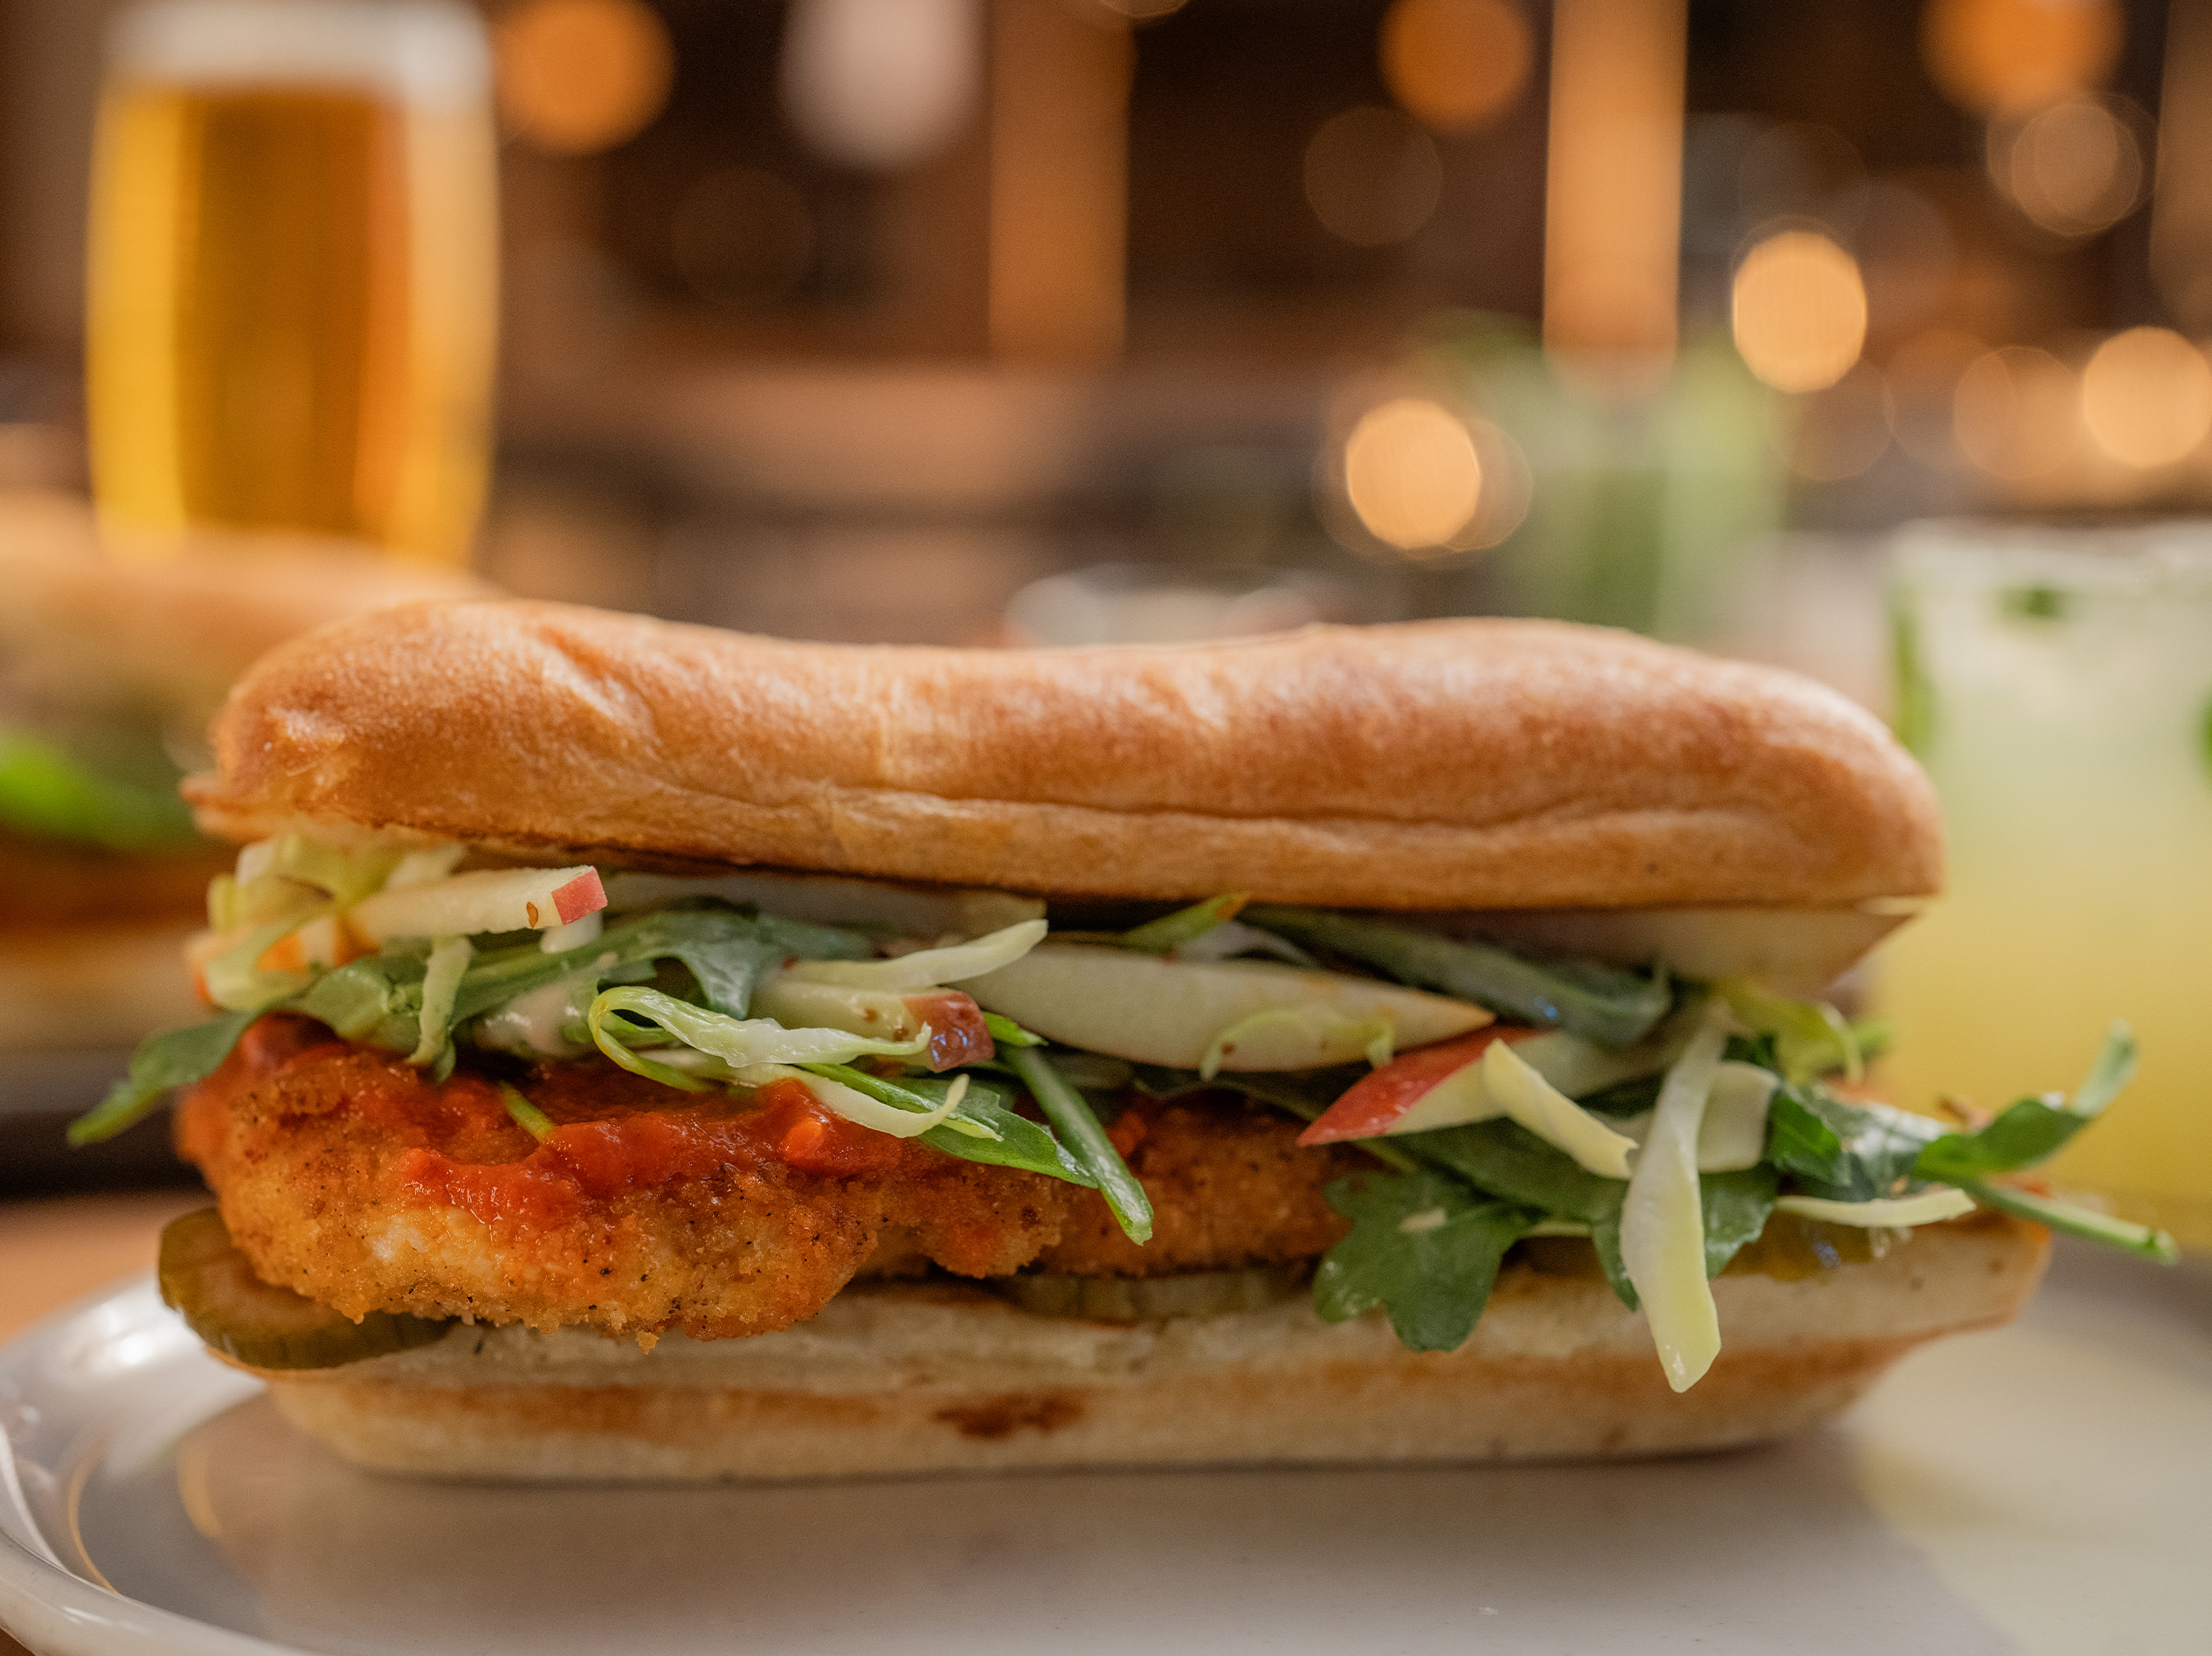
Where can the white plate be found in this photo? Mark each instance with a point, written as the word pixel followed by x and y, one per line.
pixel 2046 1487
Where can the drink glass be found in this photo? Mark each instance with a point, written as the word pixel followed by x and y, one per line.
pixel 292 272
pixel 2057 684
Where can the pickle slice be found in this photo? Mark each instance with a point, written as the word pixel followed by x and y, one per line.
pixel 206 1278
pixel 1194 1293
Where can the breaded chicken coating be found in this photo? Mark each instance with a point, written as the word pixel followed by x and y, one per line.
pixel 350 1178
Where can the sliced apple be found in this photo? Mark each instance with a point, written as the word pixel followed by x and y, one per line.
pixel 490 900
pixel 1793 951
pixel 957 1032
pixel 1176 1013
pixel 1444 1086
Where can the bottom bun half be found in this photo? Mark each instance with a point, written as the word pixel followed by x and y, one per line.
pixel 928 1378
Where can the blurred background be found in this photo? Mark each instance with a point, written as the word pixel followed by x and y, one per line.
pixel 856 319
pixel 989 322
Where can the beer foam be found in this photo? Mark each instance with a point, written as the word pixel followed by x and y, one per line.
pixel 419 52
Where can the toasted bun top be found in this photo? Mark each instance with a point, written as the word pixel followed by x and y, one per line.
pixel 1444 764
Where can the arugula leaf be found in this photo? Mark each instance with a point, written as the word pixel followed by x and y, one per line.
pixel 1736 1207
pixel 725 951
pixel 1505 1160
pixel 1845 1152
pixel 1612 1007
pixel 1184 926
pixel 2034 1128
pixel 1021 1142
pixel 1078 1129
pixel 2139 1239
pixel 1423 1248
pixel 174 1058
pixel 377 999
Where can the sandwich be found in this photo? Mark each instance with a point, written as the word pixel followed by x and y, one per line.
pixel 639 1052
pixel 109 672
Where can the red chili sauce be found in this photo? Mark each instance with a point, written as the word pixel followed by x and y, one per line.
pixel 614 1132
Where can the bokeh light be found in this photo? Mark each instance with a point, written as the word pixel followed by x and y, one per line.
pixel 2076 168
pixel 1994 55
pixel 1799 311
pixel 579 76
pixel 1412 473
pixel 1372 177
pixel 1843 429
pixel 2147 397
pixel 880 85
pixel 742 236
pixel 2016 413
pixel 1455 64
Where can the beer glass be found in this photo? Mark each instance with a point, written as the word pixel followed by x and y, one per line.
pixel 2057 683
pixel 292 281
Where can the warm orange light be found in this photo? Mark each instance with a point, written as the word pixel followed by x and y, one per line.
pixel 2075 168
pixel 579 76
pixel 2016 412
pixel 2015 54
pixel 2147 397
pixel 1455 64
pixel 1799 311
pixel 1612 189
pixel 1372 177
pixel 1413 474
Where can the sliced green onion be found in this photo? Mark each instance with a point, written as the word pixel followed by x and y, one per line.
pixel 1185 925
pixel 1069 1112
pixel 528 1116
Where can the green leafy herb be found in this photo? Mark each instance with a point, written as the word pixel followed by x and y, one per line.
pixel 1078 1129
pixel 1020 1142
pixel 1422 1247
pixel 174 1058
pixel 1845 1152
pixel 1612 1007
pixel 2139 1239
pixel 1735 1209
pixel 1505 1160
pixel 1185 925
pixel 2034 1128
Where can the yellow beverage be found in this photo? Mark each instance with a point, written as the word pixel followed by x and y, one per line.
pixel 293 275
pixel 2059 688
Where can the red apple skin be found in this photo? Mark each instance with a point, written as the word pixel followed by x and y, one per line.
pixel 581 896
pixel 1380 1097
pixel 957 1034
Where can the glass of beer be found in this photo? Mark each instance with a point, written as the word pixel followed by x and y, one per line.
pixel 293 274
pixel 2057 684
